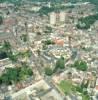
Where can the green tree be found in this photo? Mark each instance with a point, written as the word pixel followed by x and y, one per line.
pixel 11 73
pixel 7 49
pixel 80 65
pixel 3 55
pixel 12 57
pixel 28 53
pixel 7 46
pixel 60 63
pixel 48 42
pixel 24 37
pixel 48 29
pixel 1 20
pixel 48 71
pixel 86 22
pixel 38 52
pixel 5 79
pixel 23 74
pixel 14 75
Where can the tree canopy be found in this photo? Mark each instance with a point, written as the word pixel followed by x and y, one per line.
pixel 1 20
pixel 60 63
pixel 80 65
pixel 86 22
pixel 14 75
pixel 48 71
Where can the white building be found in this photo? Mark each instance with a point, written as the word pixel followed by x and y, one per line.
pixel 62 16
pixel 52 18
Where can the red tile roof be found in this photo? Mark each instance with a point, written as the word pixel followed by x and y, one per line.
pixel 59 42
pixel 96 87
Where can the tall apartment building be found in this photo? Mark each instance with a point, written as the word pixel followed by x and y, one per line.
pixel 53 18
pixel 62 16
pixel 57 17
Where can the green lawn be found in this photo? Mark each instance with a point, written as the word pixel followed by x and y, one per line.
pixel 66 86
pixel 85 97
